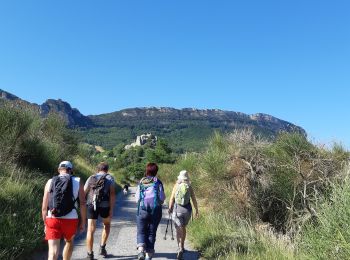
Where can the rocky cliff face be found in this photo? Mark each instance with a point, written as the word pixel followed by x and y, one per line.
pixel 71 115
pixel 181 126
pixel 215 118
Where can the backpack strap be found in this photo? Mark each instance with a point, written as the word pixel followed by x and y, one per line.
pixel 102 179
pixel 156 191
pixel 140 198
pixel 75 199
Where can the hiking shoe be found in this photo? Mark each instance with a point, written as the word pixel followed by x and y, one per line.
pixel 180 255
pixel 90 256
pixel 141 256
pixel 149 256
pixel 103 251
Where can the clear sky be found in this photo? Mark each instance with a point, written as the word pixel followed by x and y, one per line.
pixel 290 59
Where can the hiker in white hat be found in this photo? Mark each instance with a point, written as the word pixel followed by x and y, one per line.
pixel 181 209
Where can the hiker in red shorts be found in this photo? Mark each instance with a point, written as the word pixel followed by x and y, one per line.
pixel 59 210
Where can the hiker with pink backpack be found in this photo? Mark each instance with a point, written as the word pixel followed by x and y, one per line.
pixel 150 197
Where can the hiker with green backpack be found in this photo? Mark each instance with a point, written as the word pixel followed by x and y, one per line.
pixel 181 209
pixel 150 197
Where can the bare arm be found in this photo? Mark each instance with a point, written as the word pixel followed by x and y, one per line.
pixel 86 187
pixel 111 199
pixel 194 202
pixel 172 199
pixel 45 202
pixel 82 203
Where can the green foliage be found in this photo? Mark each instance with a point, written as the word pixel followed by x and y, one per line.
pixel 328 237
pixel 131 163
pixel 220 237
pixel 243 180
pixel 21 226
pixel 31 150
pixel 32 142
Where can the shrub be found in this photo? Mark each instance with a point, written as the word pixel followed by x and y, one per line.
pixel 31 149
pixel 328 236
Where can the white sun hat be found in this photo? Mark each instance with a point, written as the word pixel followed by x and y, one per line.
pixel 183 176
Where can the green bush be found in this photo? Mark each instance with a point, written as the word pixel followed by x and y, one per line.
pixel 31 150
pixel 32 142
pixel 21 226
pixel 242 181
pixel 328 236
pixel 218 236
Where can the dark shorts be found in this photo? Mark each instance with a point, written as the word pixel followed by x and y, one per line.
pixel 93 214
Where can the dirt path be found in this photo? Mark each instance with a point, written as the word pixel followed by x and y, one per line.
pixel 122 241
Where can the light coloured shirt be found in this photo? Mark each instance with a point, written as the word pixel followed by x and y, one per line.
pixel 73 214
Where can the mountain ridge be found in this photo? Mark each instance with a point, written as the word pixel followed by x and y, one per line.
pixel 180 126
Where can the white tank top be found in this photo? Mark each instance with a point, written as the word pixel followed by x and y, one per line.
pixel 73 214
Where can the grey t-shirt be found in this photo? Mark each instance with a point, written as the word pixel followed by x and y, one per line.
pixel 109 183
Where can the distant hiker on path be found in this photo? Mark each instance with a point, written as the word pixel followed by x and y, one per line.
pixel 181 209
pixel 100 192
pixel 150 197
pixel 125 189
pixel 59 210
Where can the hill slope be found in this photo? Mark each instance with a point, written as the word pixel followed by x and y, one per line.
pixel 185 129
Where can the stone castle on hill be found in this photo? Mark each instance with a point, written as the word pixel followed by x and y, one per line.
pixel 142 140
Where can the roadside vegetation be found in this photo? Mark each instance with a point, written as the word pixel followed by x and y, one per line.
pixel 259 198
pixel 31 148
pixel 286 199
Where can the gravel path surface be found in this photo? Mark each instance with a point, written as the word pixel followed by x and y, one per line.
pixel 121 243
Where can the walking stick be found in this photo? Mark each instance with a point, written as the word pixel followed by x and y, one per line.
pixel 171 227
pixel 167 225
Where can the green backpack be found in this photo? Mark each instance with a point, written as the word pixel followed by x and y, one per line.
pixel 183 194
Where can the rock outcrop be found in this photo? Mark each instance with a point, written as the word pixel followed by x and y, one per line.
pixel 142 140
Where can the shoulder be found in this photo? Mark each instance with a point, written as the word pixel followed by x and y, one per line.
pixel 91 178
pixel 76 179
pixel 47 185
pixel 109 177
pixel 160 182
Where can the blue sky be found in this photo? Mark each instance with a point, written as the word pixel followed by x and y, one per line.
pixel 290 59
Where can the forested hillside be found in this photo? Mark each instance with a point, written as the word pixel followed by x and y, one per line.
pixel 185 129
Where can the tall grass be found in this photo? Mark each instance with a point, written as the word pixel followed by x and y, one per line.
pixel 31 149
pixel 220 237
pixel 256 196
pixel 21 226
pixel 328 236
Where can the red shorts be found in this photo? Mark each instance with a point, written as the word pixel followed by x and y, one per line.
pixel 56 228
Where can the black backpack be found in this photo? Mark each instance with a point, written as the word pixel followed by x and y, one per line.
pixel 99 192
pixel 61 198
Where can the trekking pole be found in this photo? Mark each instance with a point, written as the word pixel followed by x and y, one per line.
pixel 171 227
pixel 166 230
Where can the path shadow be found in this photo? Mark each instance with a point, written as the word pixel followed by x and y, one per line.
pixel 109 256
pixel 188 255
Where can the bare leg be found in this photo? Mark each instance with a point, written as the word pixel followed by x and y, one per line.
pixel 90 234
pixel 106 230
pixel 68 249
pixel 179 236
pixel 54 247
pixel 183 238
